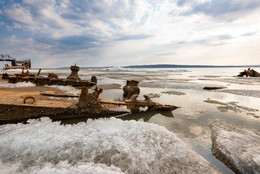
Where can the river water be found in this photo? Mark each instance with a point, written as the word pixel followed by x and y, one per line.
pixel 237 103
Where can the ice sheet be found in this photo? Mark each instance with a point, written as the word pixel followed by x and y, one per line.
pixel 134 147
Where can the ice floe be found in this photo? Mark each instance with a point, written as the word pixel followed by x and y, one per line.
pixel 103 144
pixel 237 147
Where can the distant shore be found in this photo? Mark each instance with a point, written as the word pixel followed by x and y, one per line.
pixel 170 66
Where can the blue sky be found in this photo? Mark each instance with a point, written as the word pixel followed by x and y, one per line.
pixel 56 33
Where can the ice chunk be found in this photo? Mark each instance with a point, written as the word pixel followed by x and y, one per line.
pixel 237 147
pixel 134 147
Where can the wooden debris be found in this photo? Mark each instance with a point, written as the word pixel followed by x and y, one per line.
pixel 52 78
pixel 213 87
pixel 249 72
pixel 133 102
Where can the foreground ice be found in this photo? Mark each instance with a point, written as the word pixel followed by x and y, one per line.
pixel 238 148
pixel 61 168
pixel 104 144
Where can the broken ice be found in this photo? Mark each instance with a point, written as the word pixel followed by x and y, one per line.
pixel 109 144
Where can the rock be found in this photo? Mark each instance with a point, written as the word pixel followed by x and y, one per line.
pixel 238 148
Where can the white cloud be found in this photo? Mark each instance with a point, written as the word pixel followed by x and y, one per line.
pixel 20 14
pixel 106 32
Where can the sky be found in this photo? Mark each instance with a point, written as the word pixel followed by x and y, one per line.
pixel 58 33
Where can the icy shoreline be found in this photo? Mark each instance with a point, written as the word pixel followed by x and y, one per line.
pixel 131 146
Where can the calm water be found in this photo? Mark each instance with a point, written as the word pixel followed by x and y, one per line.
pixel 237 103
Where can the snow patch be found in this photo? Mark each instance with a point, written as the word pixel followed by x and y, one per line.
pixel 16 85
pixel 134 147
pixel 67 89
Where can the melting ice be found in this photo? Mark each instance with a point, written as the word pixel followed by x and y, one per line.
pixel 99 146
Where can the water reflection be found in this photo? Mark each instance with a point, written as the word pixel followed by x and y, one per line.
pixel 233 106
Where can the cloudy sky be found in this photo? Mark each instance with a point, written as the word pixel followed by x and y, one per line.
pixel 55 33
